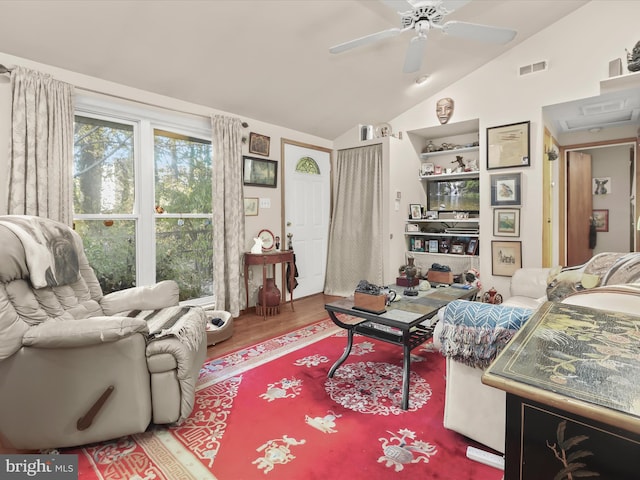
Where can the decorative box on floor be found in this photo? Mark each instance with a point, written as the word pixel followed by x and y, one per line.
pixel 219 326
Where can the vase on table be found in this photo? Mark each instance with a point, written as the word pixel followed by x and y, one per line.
pixel 271 294
pixel 410 270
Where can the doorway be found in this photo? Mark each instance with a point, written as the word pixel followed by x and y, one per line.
pixel 306 190
pixel 601 200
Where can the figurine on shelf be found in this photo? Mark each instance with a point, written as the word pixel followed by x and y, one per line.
pixel 277 243
pixel 289 241
pixel 460 162
pixel 492 296
pixel 633 58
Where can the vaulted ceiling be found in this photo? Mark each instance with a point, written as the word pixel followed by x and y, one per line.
pixel 263 59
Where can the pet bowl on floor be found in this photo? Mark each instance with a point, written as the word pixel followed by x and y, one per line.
pixel 218 333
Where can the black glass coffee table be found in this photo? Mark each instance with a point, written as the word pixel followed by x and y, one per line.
pixel 408 323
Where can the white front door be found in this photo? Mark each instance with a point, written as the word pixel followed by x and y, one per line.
pixel 307 201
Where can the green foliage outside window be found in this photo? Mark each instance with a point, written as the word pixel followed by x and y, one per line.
pixel 104 182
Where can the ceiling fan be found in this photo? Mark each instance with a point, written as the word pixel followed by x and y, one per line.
pixel 425 15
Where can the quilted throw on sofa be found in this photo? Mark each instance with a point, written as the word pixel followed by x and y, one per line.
pixel 473 333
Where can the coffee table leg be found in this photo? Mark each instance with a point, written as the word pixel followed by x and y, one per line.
pixel 405 376
pixel 346 353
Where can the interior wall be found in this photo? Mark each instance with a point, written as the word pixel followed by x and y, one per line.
pixel 577 61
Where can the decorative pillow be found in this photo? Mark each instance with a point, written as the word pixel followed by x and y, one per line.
pixel 563 282
pixel 473 333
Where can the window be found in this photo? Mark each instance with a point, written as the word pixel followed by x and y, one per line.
pixel 142 199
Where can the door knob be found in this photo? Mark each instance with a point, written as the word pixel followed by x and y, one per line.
pixel 288 224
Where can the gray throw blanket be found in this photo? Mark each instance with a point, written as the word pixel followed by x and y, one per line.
pixel 50 250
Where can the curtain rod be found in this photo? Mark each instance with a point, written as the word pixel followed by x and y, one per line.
pixel 4 70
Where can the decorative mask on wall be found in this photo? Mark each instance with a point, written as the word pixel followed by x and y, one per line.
pixel 444 109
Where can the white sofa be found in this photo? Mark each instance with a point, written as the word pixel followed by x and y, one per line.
pixel 477 410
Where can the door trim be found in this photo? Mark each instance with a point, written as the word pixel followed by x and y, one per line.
pixel 562 179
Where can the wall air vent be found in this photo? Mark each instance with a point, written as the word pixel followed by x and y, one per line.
pixel 533 68
pixel 604 107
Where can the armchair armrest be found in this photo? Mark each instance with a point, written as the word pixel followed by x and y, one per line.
pixel 83 332
pixel 530 282
pixel 473 333
pixel 153 297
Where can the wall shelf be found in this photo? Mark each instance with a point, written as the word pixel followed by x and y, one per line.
pixel 451 176
pixel 454 151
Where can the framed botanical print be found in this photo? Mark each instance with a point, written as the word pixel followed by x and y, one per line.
pixel 505 189
pixel 506 222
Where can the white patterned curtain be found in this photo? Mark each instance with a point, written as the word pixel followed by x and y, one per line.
pixel 355 238
pixel 228 214
pixel 40 147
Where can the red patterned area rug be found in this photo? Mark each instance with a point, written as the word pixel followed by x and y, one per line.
pixel 270 412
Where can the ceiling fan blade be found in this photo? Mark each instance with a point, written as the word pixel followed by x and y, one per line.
pixel 374 37
pixel 474 31
pixel 453 5
pixel 398 5
pixel 415 53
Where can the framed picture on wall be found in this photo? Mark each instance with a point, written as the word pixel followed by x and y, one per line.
pixel 259 144
pixel 600 219
pixel 505 189
pixel 259 172
pixel 506 258
pixel 601 186
pixel 506 222
pixel 508 146
pixel 251 207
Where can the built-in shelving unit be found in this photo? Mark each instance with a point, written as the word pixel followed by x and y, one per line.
pixel 449 238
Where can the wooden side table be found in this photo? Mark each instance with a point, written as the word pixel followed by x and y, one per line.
pixel 270 258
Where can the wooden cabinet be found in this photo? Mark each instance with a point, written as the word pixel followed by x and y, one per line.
pixel 570 374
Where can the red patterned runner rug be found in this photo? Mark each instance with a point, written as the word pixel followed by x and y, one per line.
pixel 270 412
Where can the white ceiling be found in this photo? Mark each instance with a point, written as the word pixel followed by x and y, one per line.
pixel 263 59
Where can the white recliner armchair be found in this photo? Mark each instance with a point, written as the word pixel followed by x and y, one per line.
pixel 77 366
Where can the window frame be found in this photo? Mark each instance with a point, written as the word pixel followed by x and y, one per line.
pixel 145 119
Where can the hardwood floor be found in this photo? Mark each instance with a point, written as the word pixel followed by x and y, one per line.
pixel 250 328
